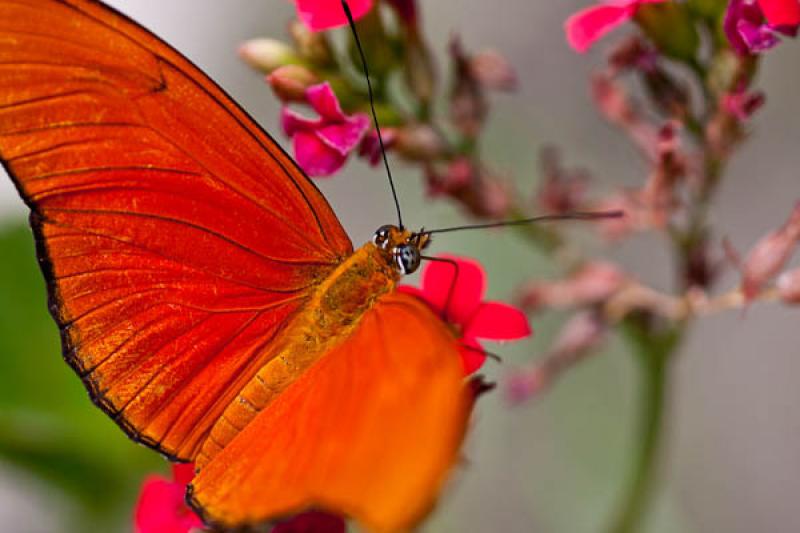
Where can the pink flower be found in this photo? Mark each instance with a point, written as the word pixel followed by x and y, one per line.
pixel 321 15
pixel 161 507
pixel 312 522
pixel 461 305
pixel 321 145
pixel 590 24
pixel 769 255
pixel 781 13
pixel 746 29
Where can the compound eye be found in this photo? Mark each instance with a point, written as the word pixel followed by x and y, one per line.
pixel 381 237
pixel 406 258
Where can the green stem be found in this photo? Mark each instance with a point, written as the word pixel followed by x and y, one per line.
pixel 653 350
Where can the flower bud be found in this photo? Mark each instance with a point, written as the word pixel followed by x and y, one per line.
pixel 267 54
pixel 769 255
pixel 312 46
pixel 594 283
pixel 562 190
pixel 289 82
pixel 418 142
pixel 742 104
pixel 493 71
pixel 583 332
pixel 788 286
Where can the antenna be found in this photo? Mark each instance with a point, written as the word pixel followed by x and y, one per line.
pixel 352 24
pixel 577 215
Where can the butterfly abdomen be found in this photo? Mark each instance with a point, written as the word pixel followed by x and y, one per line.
pixel 330 317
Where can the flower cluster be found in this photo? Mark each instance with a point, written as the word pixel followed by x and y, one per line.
pixel 162 509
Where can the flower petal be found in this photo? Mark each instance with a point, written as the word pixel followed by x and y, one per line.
pixel 183 473
pixel 292 122
pixel 322 98
pixel 472 354
pixel 314 156
pixel 467 293
pixel 588 25
pixel 161 508
pixel 345 136
pixel 780 13
pixel 320 16
pixel 498 321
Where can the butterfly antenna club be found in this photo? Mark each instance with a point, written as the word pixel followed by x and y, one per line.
pixel 363 57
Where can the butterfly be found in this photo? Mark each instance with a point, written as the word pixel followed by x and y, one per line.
pixel 205 291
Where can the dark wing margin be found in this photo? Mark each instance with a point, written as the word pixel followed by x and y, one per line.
pixel 175 236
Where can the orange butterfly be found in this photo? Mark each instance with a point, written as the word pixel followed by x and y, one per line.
pixel 206 293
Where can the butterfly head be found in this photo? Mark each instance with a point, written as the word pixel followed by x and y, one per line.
pixel 401 247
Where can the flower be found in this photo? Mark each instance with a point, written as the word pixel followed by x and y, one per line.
pixel 781 13
pixel 588 25
pixel 769 255
pixel 745 25
pixel 456 295
pixel 312 522
pixel 161 507
pixel 320 16
pixel 321 146
pixel 594 283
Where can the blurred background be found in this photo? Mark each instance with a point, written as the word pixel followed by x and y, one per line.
pixel 732 458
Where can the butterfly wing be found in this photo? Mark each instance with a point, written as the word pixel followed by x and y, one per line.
pixel 175 235
pixel 371 431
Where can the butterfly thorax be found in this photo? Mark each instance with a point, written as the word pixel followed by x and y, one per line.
pixel 329 317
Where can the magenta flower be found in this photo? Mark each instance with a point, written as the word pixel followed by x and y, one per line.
pixel 750 30
pixel 161 507
pixel 781 13
pixel 590 24
pixel 322 145
pixel 321 15
pixel 464 309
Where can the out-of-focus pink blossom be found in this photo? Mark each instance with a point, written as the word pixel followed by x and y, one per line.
pixel 595 282
pixel 161 507
pixel 769 256
pixel 749 32
pixel 588 25
pixel 612 100
pixel 742 103
pixel 788 285
pixel 322 145
pixel 457 297
pixel 480 193
pixel 583 332
pixel 562 190
pixel 781 13
pixel 321 15
pixel 370 147
pixel 492 70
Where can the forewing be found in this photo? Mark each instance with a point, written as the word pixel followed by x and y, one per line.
pixel 175 235
pixel 371 431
